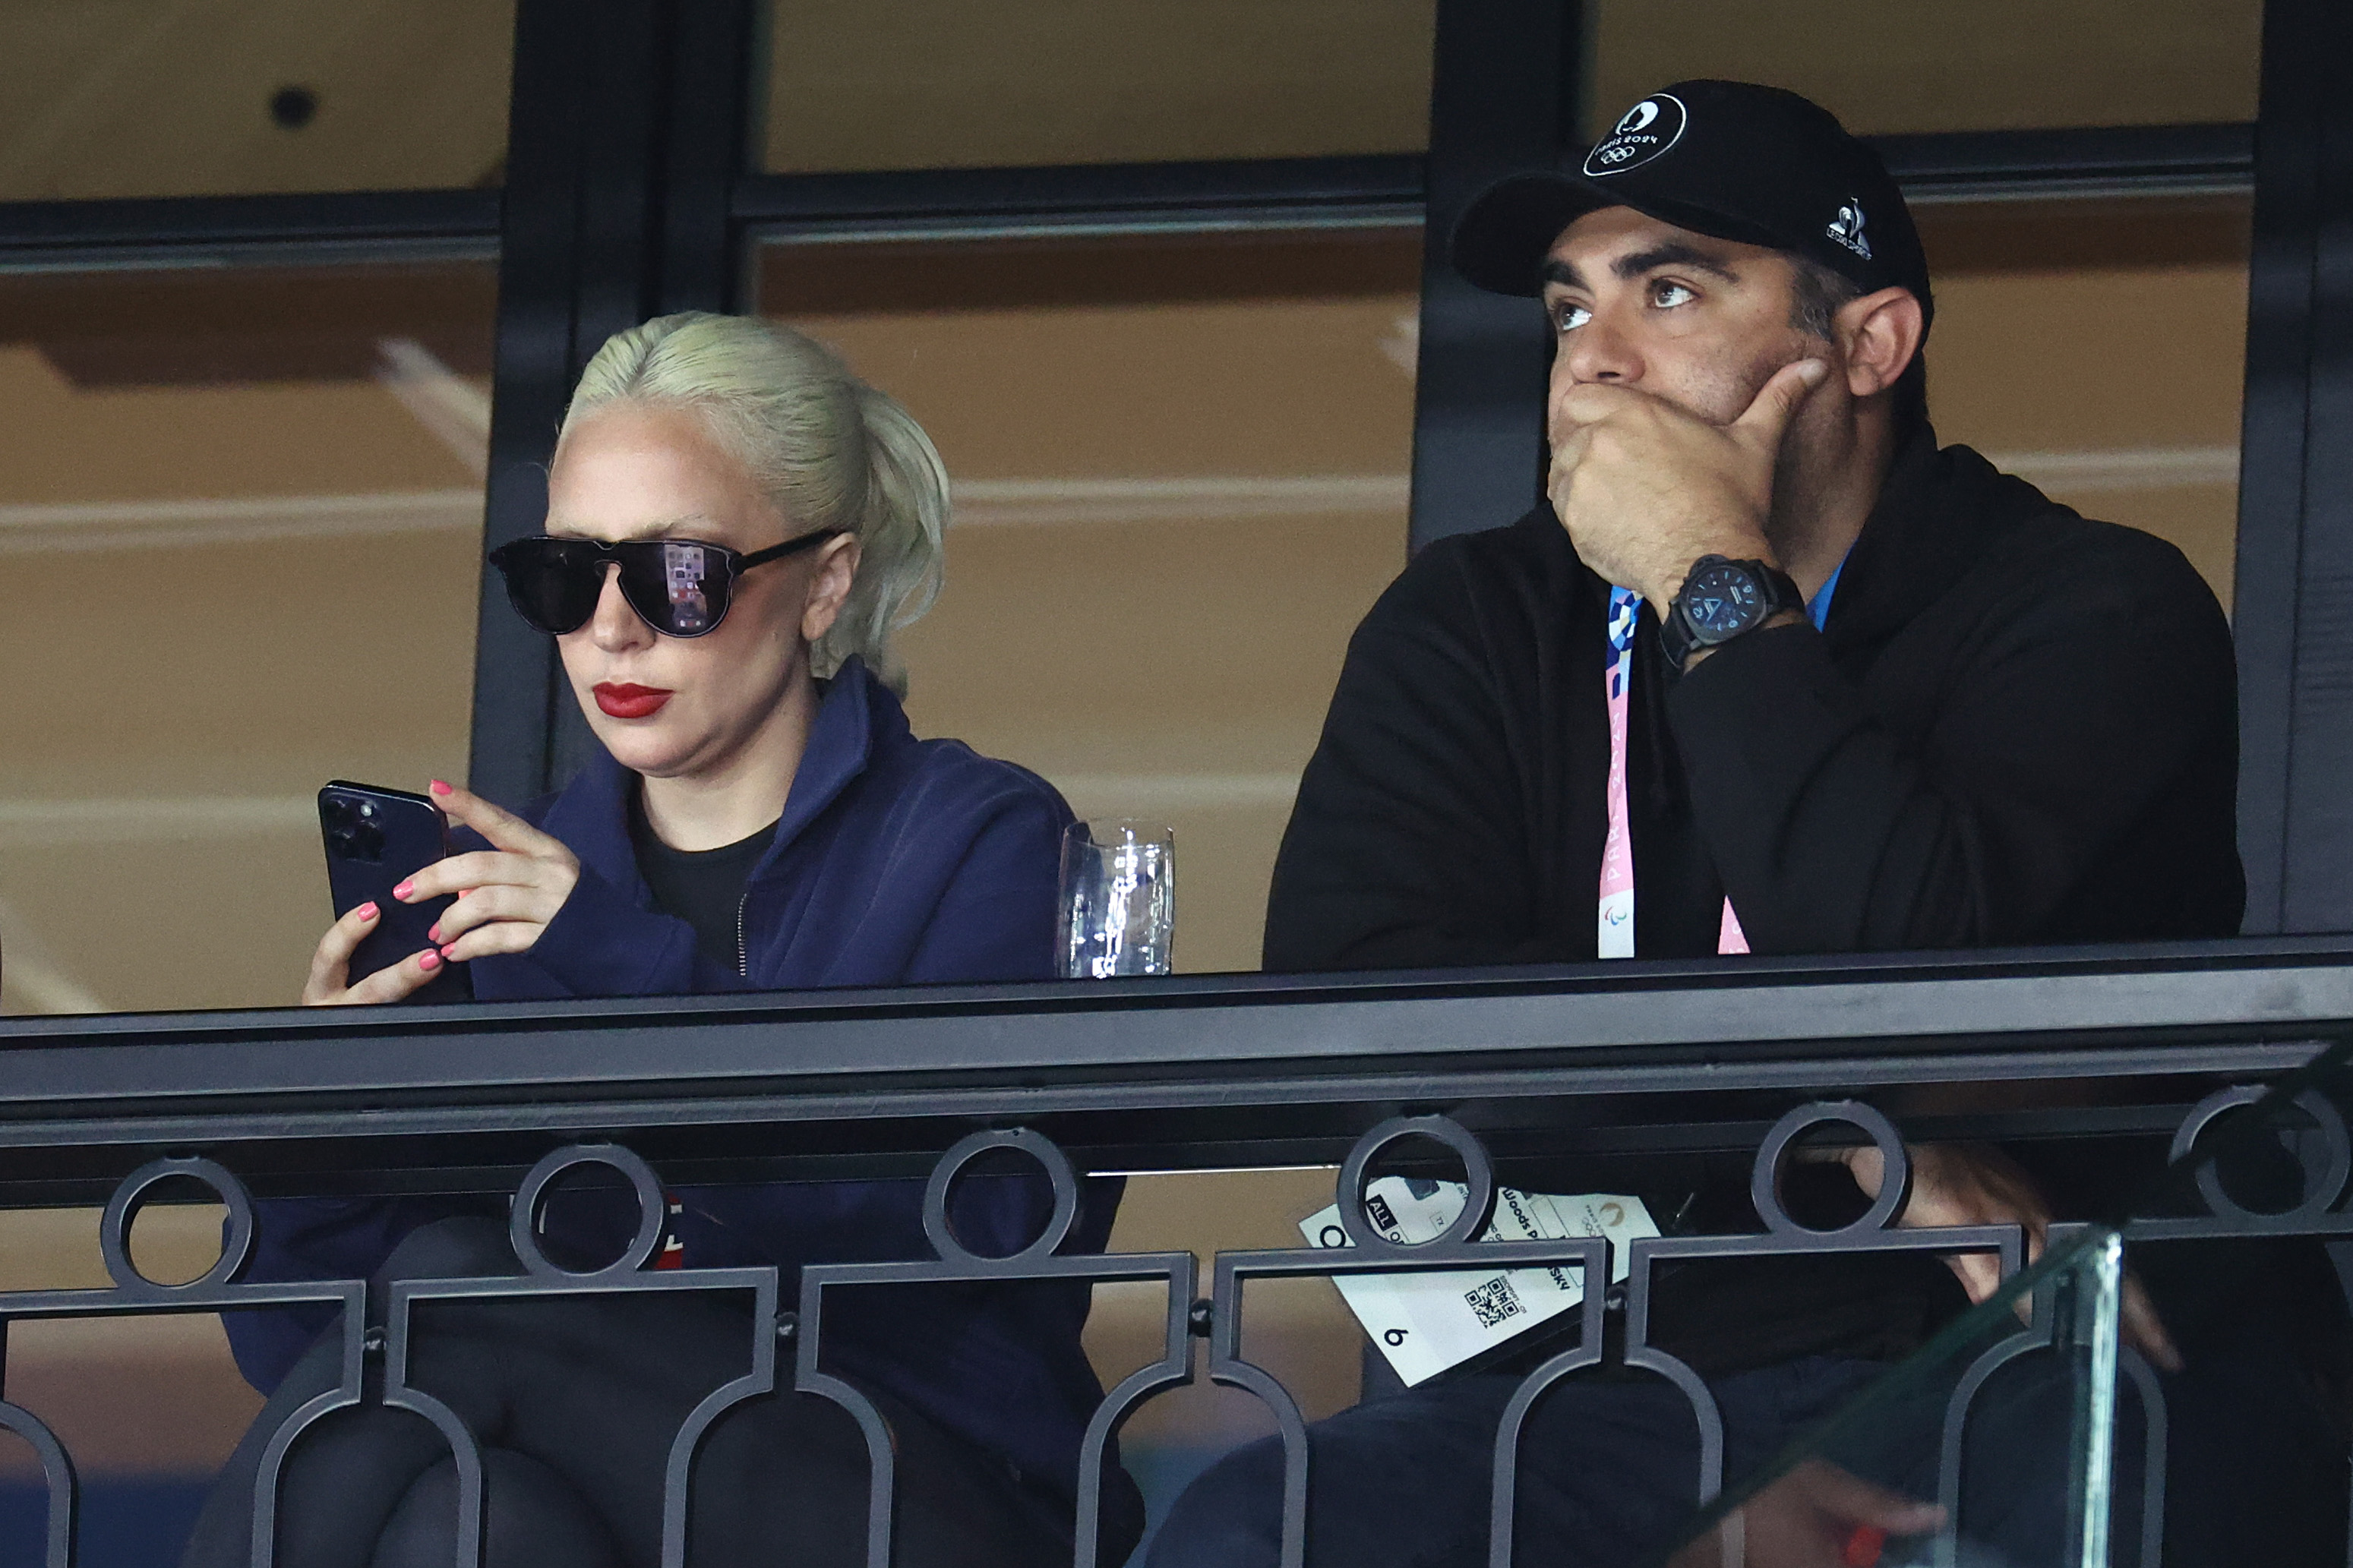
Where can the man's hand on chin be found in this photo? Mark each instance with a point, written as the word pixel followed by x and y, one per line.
pixel 1645 487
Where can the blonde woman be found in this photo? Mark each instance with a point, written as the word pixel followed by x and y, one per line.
pixel 736 525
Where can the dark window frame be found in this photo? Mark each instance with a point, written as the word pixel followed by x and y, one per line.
pixel 628 193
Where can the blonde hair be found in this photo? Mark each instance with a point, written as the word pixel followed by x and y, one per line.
pixel 826 449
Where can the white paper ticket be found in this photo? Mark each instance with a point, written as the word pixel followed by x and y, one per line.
pixel 1427 1323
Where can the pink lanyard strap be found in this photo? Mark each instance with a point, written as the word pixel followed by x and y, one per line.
pixel 1616 927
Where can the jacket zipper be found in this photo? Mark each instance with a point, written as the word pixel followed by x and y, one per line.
pixel 742 960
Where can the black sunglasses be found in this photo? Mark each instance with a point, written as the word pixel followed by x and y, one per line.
pixel 681 587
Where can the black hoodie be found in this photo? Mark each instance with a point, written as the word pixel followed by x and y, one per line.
pixel 2017 726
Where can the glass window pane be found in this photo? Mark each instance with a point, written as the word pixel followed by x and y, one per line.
pixel 2099 349
pixel 1180 468
pixel 1944 65
pixel 938 84
pixel 240 514
pixel 169 98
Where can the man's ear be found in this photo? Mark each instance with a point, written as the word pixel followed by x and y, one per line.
pixel 1880 334
pixel 837 568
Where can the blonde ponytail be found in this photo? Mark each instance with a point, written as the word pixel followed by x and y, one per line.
pixel 829 450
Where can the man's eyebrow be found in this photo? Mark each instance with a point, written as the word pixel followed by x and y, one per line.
pixel 1564 273
pixel 1674 253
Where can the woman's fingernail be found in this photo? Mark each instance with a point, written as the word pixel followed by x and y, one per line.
pixel 429 961
pixel 435 933
pixel 450 950
pixel 441 788
pixel 402 891
pixel 367 911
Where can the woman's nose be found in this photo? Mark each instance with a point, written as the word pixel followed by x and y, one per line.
pixel 615 626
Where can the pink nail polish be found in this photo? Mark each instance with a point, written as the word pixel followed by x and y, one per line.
pixel 441 788
pixel 367 911
pixel 429 961
pixel 435 933
pixel 449 952
pixel 402 891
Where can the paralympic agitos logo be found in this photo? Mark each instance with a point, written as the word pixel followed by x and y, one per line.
pixel 1649 129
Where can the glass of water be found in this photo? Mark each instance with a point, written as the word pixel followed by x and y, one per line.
pixel 1119 899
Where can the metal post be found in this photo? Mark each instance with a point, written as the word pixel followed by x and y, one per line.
pixel 2294 586
pixel 624 141
pixel 1500 99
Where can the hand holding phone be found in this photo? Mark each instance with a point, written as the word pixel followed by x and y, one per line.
pixel 506 894
pixel 495 900
pixel 377 841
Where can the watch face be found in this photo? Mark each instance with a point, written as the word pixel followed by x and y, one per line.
pixel 1722 600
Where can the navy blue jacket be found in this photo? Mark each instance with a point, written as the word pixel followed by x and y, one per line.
pixel 898 861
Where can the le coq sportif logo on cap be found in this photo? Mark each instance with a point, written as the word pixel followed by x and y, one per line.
pixel 1648 129
pixel 1847 228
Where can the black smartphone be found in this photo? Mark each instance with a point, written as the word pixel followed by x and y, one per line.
pixel 377 838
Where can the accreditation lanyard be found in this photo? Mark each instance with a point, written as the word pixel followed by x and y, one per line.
pixel 1616 927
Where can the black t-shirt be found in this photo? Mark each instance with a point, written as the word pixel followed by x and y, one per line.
pixel 704 888
pixel 2018 726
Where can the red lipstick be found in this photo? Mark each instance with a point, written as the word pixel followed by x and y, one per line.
pixel 625 702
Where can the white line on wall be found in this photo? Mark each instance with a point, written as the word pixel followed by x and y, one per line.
pixel 1141 795
pixel 986 502
pixel 2125 469
pixel 454 409
pixel 980 503
pixel 33 979
pixel 120 525
pixel 45 823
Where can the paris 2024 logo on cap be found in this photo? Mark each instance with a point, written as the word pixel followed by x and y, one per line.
pixel 1647 130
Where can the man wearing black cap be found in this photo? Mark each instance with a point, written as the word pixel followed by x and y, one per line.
pixel 1770 671
pixel 1881 696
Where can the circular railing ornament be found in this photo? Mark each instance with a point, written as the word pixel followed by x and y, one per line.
pixel 1478 1169
pixel 2321 1189
pixel 653 1211
pixel 132 1196
pixel 1058 1175
pixel 1895 1179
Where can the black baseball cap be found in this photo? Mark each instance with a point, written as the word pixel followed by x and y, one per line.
pixel 1759 165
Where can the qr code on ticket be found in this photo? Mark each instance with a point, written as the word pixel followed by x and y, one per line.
pixel 1492 1303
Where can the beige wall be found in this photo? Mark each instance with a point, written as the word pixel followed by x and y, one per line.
pixel 239 518
pixel 935 84
pixel 2100 351
pixel 1944 65
pixel 160 98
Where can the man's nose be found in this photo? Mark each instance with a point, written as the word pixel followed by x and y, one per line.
pixel 615 626
pixel 1600 351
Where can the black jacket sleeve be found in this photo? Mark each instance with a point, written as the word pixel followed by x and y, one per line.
pixel 1409 845
pixel 2071 778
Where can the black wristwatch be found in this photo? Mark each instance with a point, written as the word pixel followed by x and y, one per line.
pixel 1721 599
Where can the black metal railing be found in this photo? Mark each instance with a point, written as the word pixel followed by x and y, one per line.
pixel 2164 1046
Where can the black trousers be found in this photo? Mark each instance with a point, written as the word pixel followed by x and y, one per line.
pixel 575 1403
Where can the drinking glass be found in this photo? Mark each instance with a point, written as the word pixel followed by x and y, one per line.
pixel 1119 899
